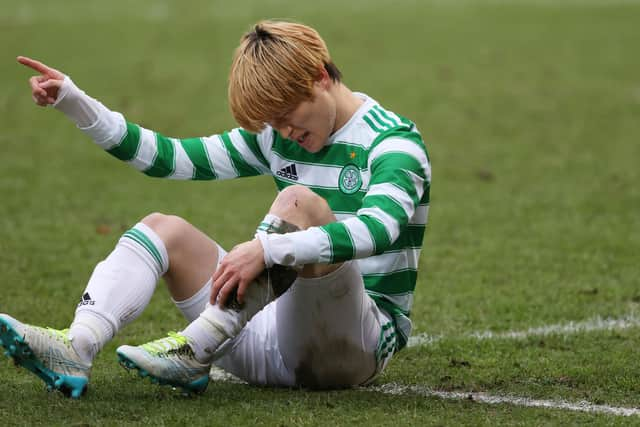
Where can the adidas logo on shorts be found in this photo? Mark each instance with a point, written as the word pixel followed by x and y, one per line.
pixel 288 172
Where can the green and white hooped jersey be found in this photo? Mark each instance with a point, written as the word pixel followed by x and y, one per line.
pixel 374 173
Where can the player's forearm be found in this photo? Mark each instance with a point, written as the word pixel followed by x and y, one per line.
pixel 374 230
pixel 339 241
pixel 294 249
pixel 105 127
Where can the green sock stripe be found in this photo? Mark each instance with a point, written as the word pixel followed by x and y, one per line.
pixel 140 238
pixel 264 226
pixel 148 244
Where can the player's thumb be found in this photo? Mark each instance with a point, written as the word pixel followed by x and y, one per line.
pixel 51 83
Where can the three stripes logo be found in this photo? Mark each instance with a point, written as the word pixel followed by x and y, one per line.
pixel 86 300
pixel 288 172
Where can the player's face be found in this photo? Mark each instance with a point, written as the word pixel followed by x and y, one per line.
pixel 311 123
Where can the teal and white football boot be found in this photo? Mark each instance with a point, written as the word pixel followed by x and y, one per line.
pixel 167 361
pixel 47 353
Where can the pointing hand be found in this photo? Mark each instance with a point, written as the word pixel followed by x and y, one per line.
pixel 45 86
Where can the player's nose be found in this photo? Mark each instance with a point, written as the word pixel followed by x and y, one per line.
pixel 288 132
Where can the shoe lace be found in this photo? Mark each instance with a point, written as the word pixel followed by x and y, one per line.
pixel 171 342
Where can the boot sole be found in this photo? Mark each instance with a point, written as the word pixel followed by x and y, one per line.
pixel 22 355
pixel 195 387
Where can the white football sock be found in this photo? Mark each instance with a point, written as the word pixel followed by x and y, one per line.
pixel 119 289
pixel 194 305
pixel 215 325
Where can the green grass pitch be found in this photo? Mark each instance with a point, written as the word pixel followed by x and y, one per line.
pixel 531 113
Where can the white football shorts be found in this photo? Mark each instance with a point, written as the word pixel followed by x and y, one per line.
pixel 324 332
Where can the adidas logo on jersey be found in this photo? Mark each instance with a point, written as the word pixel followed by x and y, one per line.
pixel 288 172
pixel 86 300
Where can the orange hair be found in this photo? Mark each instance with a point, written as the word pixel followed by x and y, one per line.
pixel 273 71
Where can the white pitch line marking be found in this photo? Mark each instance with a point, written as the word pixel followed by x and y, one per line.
pixel 594 324
pixel 581 406
pixel 219 375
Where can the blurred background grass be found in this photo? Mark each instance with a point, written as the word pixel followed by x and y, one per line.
pixel 530 110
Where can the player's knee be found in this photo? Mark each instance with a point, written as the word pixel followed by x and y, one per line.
pixel 153 219
pixel 296 192
pixel 290 199
pixel 302 207
pixel 169 228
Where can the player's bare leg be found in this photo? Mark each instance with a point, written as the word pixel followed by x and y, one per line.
pixel 118 290
pixel 171 360
pixel 183 359
pixel 192 254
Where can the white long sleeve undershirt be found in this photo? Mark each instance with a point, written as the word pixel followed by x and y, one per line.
pixel 105 127
pixel 292 249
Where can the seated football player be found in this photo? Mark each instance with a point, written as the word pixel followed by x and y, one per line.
pixel 320 297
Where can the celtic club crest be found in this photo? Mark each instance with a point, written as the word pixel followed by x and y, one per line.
pixel 350 179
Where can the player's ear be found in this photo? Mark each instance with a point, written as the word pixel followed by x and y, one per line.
pixel 324 80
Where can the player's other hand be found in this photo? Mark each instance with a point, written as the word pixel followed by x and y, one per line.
pixel 45 86
pixel 238 269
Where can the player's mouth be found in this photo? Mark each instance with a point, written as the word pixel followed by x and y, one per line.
pixel 303 138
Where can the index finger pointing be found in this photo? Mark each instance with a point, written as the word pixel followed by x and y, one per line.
pixel 36 65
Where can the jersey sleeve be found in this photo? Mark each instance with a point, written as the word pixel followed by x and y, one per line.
pixel 400 182
pixel 232 154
